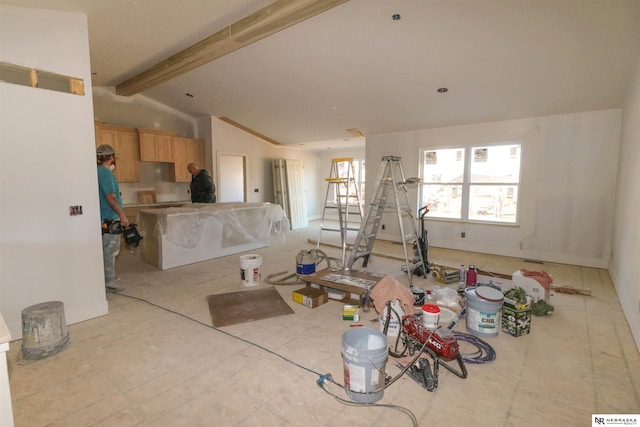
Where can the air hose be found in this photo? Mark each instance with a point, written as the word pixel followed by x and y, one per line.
pixel 484 353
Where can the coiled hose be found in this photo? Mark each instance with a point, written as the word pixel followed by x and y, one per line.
pixel 484 353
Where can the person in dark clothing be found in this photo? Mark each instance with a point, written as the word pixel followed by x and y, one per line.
pixel 203 190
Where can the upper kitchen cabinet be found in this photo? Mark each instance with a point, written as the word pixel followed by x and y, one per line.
pixel 125 143
pixel 156 146
pixel 185 151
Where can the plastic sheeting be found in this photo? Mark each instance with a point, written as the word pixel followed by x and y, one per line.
pixel 242 222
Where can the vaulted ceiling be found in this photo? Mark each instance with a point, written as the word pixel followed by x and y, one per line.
pixel 356 66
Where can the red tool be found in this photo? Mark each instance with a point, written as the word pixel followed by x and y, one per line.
pixel 441 344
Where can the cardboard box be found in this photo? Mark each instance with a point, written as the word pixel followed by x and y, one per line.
pixel 515 322
pixel 310 297
pixel 531 286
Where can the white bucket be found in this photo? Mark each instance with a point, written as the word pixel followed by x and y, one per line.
pixel 430 315
pixel 484 305
pixel 364 357
pixel 250 269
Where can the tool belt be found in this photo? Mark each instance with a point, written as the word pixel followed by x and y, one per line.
pixel 111 226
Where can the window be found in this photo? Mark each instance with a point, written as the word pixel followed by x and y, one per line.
pixel 358 175
pixel 472 183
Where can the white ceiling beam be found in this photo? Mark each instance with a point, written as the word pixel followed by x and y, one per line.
pixel 277 16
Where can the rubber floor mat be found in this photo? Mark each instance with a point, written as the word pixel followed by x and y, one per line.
pixel 246 306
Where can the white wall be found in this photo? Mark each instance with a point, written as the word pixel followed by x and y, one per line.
pixel 624 266
pixel 223 138
pixel 47 163
pixel 567 186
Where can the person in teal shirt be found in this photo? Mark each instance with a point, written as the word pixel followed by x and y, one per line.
pixel 110 209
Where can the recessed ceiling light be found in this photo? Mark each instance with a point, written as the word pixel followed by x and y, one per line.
pixel 396 17
pixel 189 95
pixel 443 90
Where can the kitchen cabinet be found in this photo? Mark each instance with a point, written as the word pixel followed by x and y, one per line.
pixel 185 151
pixel 125 143
pixel 156 146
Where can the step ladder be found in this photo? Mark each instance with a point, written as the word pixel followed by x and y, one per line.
pixel 343 210
pixel 389 194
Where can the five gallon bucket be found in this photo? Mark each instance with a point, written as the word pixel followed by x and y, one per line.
pixel 364 355
pixel 250 269
pixel 484 304
pixel 44 330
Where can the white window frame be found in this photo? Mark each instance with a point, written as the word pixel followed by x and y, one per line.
pixel 466 183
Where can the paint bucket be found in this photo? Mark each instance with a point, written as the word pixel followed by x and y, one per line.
pixel 250 269
pixel 306 262
pixel 430 315
pixel 364 356
pixel 44 330
pixel 484 304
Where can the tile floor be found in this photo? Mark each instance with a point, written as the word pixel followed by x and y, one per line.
pixel 142 365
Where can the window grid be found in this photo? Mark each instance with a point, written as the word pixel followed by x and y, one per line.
pixel 478 184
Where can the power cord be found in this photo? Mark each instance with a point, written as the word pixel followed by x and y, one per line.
pixel 221 331
pixel 322 380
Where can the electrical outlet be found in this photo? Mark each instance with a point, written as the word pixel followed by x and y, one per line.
pixel 384 226
pixel 463 234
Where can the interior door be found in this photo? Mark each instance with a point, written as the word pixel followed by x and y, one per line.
pixel 297 197
pixel 280 184
pixel 231 178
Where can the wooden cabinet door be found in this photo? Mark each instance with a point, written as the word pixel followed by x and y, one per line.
pixel 186 150
pixel 106 135
pixel 156 146
pixel 125 143
pixel 164 147
pixel 127 156
pixel 195 152
pixel 180 172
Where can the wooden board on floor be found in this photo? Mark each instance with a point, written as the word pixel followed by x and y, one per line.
pixel 246 306
pixel 147 197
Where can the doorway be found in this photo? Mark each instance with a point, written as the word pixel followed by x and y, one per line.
pixel 231 178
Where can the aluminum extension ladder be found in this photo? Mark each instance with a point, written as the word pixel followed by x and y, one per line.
pixel 389 194
pixel 342 198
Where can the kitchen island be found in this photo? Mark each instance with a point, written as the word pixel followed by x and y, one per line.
pixel 178 236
